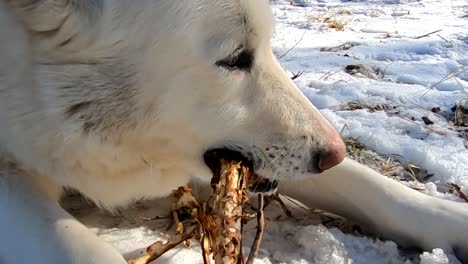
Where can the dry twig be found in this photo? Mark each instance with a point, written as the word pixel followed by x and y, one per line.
pixel 428 34
pixel 297 75
pixel 276 197
pixel 454 187
pixel 260 229
pixel 157 249
pixel 297 43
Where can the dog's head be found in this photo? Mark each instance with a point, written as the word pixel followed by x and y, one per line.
pixel 170 81
pixel 224 89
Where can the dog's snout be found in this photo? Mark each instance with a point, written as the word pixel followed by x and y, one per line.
pixel 330 155
pixel 333 154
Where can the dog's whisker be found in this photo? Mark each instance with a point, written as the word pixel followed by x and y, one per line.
pixel 275 159
pixel 254 189
pixel 270 183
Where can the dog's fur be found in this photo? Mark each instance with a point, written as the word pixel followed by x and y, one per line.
pixel 120 99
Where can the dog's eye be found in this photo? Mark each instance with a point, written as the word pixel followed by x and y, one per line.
pixel 240 60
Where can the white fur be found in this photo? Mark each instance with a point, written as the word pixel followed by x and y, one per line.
pixel 120 99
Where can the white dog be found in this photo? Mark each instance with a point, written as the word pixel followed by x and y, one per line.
pixel 121 99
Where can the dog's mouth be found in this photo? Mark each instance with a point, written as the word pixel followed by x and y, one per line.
pixel 259 183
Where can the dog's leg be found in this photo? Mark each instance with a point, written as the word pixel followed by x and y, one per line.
pixel 386 206
pixel 34 229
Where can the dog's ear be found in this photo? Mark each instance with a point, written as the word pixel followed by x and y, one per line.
pixel 59 22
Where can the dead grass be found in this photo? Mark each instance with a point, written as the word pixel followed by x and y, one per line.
pixel 337 23
pixel 453 74
pixel 336 19
pixel 390 165
pixel 350 106
pixel 393 165
pixel 392 110
pixel 342 47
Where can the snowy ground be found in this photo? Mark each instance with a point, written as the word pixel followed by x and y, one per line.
pixel 411 75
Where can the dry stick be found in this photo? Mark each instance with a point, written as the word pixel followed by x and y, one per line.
pixel 456 188
pixel 157 249
pixel 183 198
pixel 448 76
pixel 428 34
pixel 297 75
pixel 154 218
pixel 205 245
pixel 260 229
pixel 283 206
pixel 277 198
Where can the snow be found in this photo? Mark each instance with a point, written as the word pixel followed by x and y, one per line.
pixel 384 37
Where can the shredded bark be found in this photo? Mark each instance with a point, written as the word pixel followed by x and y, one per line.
pixel 226 203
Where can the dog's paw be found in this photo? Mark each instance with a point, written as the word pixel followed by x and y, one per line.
pixel 79 245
